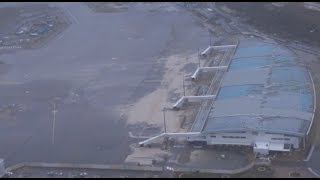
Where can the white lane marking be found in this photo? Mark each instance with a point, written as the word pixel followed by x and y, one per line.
pixel 71 15
pixel 316 174
pixel 310 153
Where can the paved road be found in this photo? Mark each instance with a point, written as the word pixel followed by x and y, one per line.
pixel 314 162
pixel 95 65
pixel 27 172
pixel 310 163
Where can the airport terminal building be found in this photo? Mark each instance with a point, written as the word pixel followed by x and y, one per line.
pixel 266 100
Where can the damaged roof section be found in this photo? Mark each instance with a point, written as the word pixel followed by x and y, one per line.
pixel 264 89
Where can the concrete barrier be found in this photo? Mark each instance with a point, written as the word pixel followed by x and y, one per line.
pixel 126 167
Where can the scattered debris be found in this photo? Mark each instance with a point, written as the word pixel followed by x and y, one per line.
pixel 223 156
pixel 83 174
pixel 261 169
pixel 34 34
pixel 20 32
pixel 51 173
pixel 34 28
pixel 59 174
pixel 294 174
pixel 9 173
pixel 169 168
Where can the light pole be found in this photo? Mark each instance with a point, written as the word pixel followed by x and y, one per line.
pixel 164 120
pixel 54 121
pixel 54 111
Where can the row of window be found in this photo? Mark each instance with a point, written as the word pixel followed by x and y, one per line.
pixel 234 137
pixel 287 139
pixel 243 137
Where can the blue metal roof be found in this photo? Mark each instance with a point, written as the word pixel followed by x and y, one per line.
pixel 264 89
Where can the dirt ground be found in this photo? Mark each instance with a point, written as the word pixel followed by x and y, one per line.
pixel 149 108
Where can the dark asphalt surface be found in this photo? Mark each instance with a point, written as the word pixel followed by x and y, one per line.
pixel 292 21
pixel 97 64
pixel 94 66
pixel 314 162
